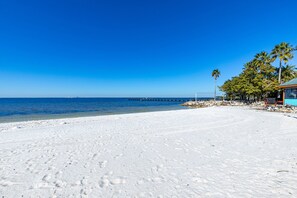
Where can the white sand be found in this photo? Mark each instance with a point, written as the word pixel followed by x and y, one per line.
pixel 211 152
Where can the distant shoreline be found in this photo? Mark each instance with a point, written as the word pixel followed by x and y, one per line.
pixel 14 119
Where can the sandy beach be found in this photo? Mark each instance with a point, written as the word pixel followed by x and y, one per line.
pixel 208 152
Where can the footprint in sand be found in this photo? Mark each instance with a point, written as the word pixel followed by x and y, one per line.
pixel 60 184
pixel 107 180
pixel 160 167
pixel 94 156
pixel 46 178
pixel 84 181
pixel 140 182
pixel 118 156
pixel 84 192
pixel 104 182
pixel 103 164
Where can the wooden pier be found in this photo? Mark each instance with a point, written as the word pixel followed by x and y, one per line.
pixel 163 99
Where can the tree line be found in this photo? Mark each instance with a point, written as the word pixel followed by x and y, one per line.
pixel 259 77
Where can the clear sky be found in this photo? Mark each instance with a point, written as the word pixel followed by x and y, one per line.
pixel 59 48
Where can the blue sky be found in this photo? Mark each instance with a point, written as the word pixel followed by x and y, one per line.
pixel 133 48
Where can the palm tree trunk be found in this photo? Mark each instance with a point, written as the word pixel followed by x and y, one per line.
pixel 215 91
pixel 280 72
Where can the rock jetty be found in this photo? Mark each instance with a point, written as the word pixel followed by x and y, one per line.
pixel 210 103
pixel 255 105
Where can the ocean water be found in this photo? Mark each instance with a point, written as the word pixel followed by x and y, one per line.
pixel 23 109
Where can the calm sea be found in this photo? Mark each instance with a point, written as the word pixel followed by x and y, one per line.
pixel 22 109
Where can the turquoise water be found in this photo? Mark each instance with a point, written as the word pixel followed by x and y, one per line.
pixel 23 109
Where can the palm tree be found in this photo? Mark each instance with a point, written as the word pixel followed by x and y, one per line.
pixel 284 52
pixel 263 57
pixel 216 74
pixel 289 72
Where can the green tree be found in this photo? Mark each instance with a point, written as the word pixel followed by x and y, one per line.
pixel 229 88
pixel 216 74
pixel 265 76
pixel 256 80
pixel 226 87
pixel 284 52
pixel 259 78
pixel 289 72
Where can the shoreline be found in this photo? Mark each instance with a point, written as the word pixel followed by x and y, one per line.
pixel 87 116
pixel 68 120
pixel 40 117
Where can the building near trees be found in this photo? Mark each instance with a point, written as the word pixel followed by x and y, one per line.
pixel 290 92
